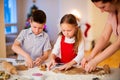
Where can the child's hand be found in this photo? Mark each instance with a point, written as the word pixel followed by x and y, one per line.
pixel 38 61
pixel 29 62
pixel 65 66
pixel 51 64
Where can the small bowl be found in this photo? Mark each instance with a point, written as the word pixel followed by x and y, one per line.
pixel 38 76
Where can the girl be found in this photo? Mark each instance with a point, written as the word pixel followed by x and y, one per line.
pixel 69 45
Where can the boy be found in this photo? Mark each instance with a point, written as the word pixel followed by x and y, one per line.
pixel 33 44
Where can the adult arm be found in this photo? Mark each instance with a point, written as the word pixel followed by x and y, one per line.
pixel 102 41
pixel 100 44
pixel 91 65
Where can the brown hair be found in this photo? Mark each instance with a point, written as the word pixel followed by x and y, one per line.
pixel 105 1
pixel 38 16
pixel 71 19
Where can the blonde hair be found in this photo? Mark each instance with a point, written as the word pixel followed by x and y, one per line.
pixel 71 19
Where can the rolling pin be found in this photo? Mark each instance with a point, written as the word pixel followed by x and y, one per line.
pixel 9 67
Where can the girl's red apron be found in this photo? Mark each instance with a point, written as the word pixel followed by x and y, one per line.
pixel 67 51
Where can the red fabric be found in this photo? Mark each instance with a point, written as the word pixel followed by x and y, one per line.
pixel 86 31
pixel 67 52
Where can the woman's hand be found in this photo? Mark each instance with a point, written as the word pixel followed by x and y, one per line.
pixel 90 66
pixel 85 61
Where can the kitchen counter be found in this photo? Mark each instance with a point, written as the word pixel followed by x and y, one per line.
pixel 49 75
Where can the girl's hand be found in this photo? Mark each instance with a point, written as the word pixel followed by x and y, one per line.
pixel 29 62
pixel 51 64
pixel 65 66
pixel 90 66
pixel 38 61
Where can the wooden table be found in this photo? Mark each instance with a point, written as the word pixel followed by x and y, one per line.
pixel 49 75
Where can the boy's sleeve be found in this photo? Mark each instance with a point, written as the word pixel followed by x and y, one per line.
pixel 47 45
pixel 20 37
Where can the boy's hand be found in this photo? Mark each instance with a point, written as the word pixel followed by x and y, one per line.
pixel 38 61
pixel 29 61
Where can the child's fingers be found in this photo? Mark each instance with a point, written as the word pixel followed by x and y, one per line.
pixel 66 68
pixel 49 66
pixel 37 61
pixel 52 65
pixel 61 67
pixel 29 64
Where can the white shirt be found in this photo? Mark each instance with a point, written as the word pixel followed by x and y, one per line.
pixel 80 54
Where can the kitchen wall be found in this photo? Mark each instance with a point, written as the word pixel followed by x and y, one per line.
pixel 51 8
pixel 2 35
pixel 55 9
pixel 98 21
pixel 82 6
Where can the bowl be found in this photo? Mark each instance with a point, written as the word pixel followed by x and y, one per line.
pixel 38 76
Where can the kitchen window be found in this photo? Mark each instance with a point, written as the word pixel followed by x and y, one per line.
pixel 10 16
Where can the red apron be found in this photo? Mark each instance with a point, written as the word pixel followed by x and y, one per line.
pixel 67 51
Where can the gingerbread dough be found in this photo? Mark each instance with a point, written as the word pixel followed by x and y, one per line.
pixel 79 70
